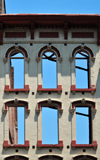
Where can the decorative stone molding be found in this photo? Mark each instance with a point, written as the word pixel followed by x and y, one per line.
pixel 72 110
pixel 94 111
pixel 83 101
pixel 93 59
pixel 49 47
pixel 60 59
pixel 38 59
pixel 37 111
pixel 82 47
pixel 5 60
pixel 27 60
pixel 60 111
pixel 49 101
pixel 16 101
pixel 4 110
pixel 16 47
pixel 71 59
pixel 27 111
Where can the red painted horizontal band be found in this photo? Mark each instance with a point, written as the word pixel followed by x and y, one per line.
pixel 94 144
pixel 7 89
pixel 59 88
pixel 15 34
pixel 82 34
pixel 49 34
pixel 6 144
pixel 73 88
pixel 39 144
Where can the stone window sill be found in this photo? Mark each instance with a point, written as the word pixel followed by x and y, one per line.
pixel 7 145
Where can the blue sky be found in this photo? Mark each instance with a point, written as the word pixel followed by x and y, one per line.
pixel 53 6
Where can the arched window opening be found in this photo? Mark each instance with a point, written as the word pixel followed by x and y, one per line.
pixel 83 125
pixel 49 125
pixel 17 70
pixel 82 70
pixel 50 157
pixel 16 125
pixel 49 70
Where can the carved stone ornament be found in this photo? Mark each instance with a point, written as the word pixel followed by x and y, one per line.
pixel 60 59
pixel 16 101
pixel 49 101
pixel 4 111
pixel 82 47
pixel 27 60
pixel 48 47
pixel 27 111
pixel 37 111
pixel 71 59
pixel 93 59
pixel 72 110
pixel 37 59
pixel 83 101
pixel 94 111
pixel 16 47
pixel 60 111
pixel 5 60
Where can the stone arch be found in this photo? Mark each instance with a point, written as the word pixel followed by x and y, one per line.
pixel 20 157
pixel 84 49
pixel 49 49
pixel 50 157
pixel 49 102
pixel 87 157
pixel 16 103
pixel 84 102
pixel 16 49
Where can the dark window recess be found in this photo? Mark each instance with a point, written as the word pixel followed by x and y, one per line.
pixel 49 70
pixel 82 70
pixel 83 125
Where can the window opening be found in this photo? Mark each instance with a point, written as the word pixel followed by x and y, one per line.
pixel 82 70
pixel 49 70
pixel 17 71
pixel 49 125
pixel 83 125
pixel 16 125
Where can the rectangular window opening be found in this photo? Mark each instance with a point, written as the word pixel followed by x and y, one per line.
pixel 49 125
pixel 49 70
pixel 83 125
pixel 16 125
pixel 82 70
pixel 17 71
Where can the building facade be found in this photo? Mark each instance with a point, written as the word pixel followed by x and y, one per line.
pixel 69 38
